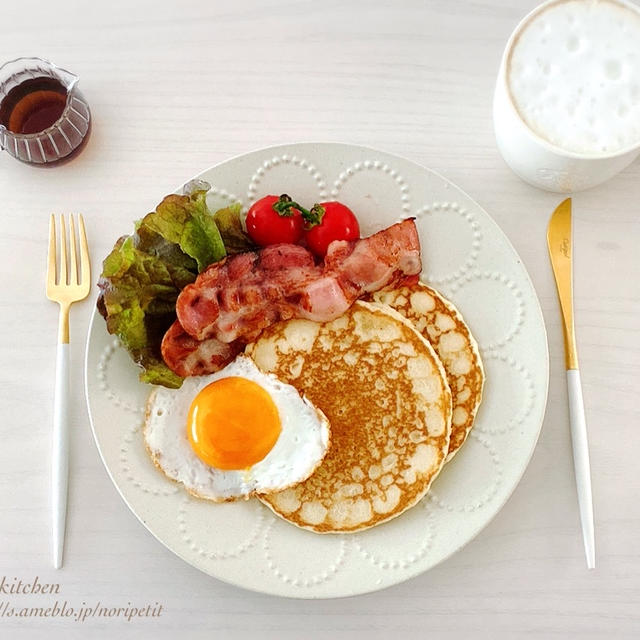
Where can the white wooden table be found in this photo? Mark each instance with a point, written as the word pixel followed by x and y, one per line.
pixel 175 89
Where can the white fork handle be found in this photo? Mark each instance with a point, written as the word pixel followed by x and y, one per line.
pixel 581 463
pixel 60 457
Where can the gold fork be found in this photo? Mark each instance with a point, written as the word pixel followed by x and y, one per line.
pixel 70 286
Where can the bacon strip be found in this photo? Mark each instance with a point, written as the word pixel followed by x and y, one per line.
pixel 187 356
pixel 233 300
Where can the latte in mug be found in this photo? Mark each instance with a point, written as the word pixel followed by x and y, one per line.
pixel 569 93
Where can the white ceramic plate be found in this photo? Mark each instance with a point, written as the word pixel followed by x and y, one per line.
pixel 468 258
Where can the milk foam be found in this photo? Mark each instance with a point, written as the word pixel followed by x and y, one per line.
pixel 574 76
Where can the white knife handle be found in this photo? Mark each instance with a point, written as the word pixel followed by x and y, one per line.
pixel 581 463
pixel 60 454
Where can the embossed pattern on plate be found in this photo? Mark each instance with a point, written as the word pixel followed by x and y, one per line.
pixel 470 261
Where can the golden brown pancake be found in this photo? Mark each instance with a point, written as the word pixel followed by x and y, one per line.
pixel 443 326
pixel 388 402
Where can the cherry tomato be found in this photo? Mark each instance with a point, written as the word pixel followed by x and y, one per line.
pixel 336 222
pixel 266 225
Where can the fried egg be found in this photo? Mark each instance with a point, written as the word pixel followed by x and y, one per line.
pixel 235 433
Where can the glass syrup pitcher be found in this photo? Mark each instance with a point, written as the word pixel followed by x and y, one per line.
pixel 43 116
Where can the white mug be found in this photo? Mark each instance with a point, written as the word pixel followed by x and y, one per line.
pixel 533 158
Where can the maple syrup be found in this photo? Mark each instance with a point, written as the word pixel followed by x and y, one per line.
pixel 44 118
pixel 33 106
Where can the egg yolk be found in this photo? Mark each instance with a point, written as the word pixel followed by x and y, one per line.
pixel 233 423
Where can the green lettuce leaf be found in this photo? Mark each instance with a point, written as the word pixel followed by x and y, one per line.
pixel 145 272
pixel 229 222
pixel 186 222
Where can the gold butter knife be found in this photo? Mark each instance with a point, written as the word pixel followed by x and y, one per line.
pixel 560 250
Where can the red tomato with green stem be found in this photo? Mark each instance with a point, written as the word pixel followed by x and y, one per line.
pixel 329 221
pixel 275 219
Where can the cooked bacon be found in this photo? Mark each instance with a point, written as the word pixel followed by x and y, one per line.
pixel 381 260
pixel 238 297
pixel 233 300
pixel 187 356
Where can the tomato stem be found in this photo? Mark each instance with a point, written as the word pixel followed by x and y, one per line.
pixel 315 215
pixel 284 207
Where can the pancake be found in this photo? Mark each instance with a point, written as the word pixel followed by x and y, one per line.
pixel 385 393
pixel 441 323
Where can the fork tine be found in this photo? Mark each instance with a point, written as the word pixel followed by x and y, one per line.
pixel 51 268
pixel 63 252
pixel 85 264
pixel 73 266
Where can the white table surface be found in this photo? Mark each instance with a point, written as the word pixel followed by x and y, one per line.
pixel 175 89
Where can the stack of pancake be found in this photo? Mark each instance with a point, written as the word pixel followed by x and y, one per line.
pixel 400 379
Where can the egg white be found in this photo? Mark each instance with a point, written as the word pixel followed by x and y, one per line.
pixel 302 444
